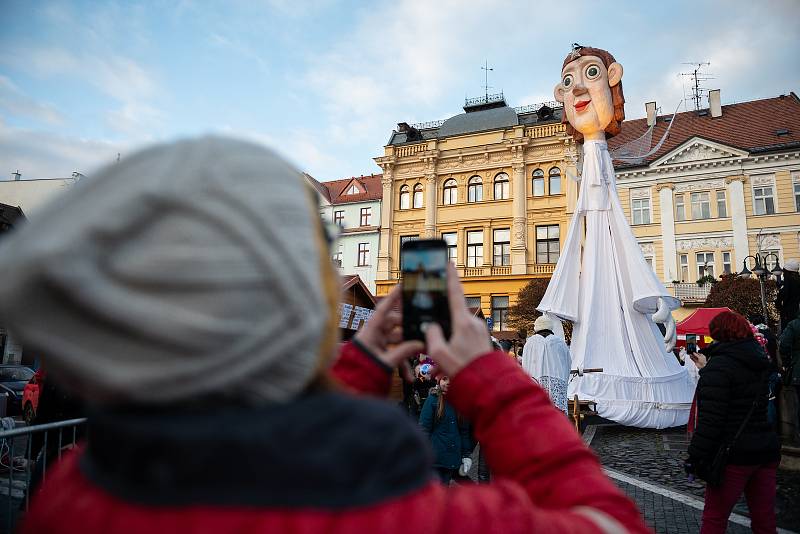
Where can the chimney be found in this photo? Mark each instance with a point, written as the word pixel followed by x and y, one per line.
pixel 650 108
pixel 714 104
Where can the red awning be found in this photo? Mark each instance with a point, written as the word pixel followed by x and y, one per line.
pixel 697 322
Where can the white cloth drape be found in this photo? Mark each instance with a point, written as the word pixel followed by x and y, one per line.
pixel 603 284
pixel 547 360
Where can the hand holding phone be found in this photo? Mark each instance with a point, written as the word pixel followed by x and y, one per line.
pixel 691 343
pixel 469 338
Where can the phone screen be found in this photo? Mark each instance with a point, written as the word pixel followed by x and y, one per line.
pixel 691 343
pixel 424 265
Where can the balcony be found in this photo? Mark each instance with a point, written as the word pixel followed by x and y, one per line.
pixel 501 270
pixel 473 271
pixel 542 268
pixel 690 293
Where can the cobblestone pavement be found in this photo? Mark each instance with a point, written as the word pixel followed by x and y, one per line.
pixel 656 457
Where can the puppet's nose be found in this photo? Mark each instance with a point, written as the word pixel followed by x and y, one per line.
pixel 579 89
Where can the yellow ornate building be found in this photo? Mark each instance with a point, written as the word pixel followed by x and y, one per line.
pixel 492 183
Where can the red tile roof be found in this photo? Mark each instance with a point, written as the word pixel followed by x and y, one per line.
pixel 749 126
pixel 369 185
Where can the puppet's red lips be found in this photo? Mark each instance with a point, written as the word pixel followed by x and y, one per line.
pixel 580 106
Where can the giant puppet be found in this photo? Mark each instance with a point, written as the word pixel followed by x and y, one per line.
pixel 602 282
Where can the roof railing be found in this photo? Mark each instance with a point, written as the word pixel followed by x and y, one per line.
pixel 529 108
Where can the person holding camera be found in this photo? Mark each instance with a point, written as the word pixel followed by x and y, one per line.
pixel 198 328
pixel 733 447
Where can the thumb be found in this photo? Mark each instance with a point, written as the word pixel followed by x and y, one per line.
pixel 403 351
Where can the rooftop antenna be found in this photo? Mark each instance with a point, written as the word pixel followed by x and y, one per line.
pixel 117 157
pixel 486 70
pixel 16 175
pixel 697 77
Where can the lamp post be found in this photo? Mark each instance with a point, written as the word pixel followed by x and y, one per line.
pixel 762 273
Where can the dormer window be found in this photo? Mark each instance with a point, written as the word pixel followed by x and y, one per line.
pixel 352 190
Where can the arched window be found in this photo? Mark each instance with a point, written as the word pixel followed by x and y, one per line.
pixel 417 200
pixel 450 192
pixel 501 188
pixel 555 181
pixel 475 189
pixel 404 198
pixel 538 183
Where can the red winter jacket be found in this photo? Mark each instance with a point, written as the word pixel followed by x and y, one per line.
pixel 333 462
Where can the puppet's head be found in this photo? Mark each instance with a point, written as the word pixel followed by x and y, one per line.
pixel 591 91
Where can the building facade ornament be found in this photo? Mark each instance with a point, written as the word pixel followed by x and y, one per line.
pixel 704 243
pixel 665 185
pixel 770 241
pixel 647 248
pixel 640 192
pixel 700 186
pixel 736 178
pixel 763 180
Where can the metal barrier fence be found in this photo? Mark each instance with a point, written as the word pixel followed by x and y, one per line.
pixel 51 440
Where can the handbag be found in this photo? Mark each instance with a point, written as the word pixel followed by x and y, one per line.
pixel 716 471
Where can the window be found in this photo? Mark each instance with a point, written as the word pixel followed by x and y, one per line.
pixel 705 264
pixel 764 201
pixel 651 262
pixel 701 207
pixel 473 302
pixel 475 189
pixel 475 248
pixel 500 313
pixel 404 198
pixel 352 190
pixel 641 210
pixel 767 260
pixel 363 255
pixel 502 247
pixel 338 218
pixel 366 216
pixel 797 196
pixel 417 196
pixel 680 210
pixel 684 266
pixel 555 181
pixel 403 239
pixel 337 258
pixel 451 239
pixel 450 192
pixel 547 244
pixel 726 263
pixel 538 183
pixel 501 188
pixel 722 205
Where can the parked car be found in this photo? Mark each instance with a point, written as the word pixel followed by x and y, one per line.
pixel 13 379
pixel 30 396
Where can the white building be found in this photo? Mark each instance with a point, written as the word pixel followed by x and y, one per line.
pixel 723 187
pixel 354 204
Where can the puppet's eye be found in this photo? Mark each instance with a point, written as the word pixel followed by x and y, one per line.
pixel 592 72
pixel 567 81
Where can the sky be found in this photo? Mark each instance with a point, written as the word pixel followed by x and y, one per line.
pixel 324 82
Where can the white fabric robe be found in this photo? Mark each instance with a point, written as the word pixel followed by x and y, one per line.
pixel 603 284
pixel 547 360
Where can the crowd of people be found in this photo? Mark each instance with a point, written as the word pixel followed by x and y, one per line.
pixel 193 329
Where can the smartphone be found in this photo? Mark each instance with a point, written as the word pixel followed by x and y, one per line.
pixel 691 343
pixel 424 266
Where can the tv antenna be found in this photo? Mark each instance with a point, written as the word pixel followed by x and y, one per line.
pixel 697 77
pixel 486 86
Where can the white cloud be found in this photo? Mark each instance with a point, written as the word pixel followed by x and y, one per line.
pixel 119 77
pixel 40 154
pixel 14 102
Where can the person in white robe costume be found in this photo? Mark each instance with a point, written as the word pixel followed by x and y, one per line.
pixel 602 282
pixel 546 359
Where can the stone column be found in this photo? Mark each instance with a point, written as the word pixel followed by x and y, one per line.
pixel 487 246
pixel 461 248
pixel 385 243
pixel 670 259
pixel 430 205
pixel 518 231
pixel 571 164
pixel 741 248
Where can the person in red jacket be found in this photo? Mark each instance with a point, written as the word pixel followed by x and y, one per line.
pixel 188 281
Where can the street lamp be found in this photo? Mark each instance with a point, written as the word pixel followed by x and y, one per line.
pixel 761 272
